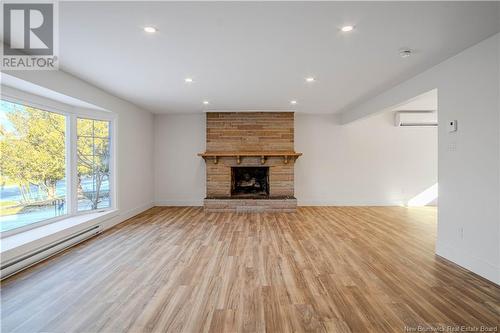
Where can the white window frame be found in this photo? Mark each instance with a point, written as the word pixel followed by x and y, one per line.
pixel 71 113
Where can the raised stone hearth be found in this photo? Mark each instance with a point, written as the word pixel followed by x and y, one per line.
pixel 250 205
pixel 250 161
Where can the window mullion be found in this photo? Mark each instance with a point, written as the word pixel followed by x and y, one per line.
pixel 72 184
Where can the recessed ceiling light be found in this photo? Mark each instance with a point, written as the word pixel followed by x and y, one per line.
pixel 293 102
pixel 150 29
pixel 347 28
pixel 206 102
pixel 310 79
pixel 405 53
pixel 188 80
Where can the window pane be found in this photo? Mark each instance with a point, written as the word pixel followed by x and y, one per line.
pixel 84 127
pixel 85 146
pixel 93 151
pixel 101 148
pixel 32 164
pixel 101 129
pixel 92 128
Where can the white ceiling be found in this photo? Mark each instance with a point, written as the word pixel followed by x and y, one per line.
pixel 255 55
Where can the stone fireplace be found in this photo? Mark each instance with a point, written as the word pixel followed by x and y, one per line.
pixel 250 160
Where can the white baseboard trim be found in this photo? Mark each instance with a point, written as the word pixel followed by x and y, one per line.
pixel 173 203
pixel 343 203
pixel 199 202
pixel 474 264
pixel 123 216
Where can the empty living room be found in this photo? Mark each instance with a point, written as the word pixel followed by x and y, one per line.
pixel 250 166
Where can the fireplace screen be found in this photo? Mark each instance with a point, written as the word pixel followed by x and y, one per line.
pixel 250 181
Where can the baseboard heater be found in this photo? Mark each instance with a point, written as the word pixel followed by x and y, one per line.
pixel 18 264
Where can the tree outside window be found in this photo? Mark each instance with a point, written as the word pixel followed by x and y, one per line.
pixel 93 151
pixel 32 165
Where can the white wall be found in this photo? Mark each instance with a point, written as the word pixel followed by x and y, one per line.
pixel 469 160
pixel 367 163
pixel 179 172
pixel 370 162
pixel 134 138
pixel 469 211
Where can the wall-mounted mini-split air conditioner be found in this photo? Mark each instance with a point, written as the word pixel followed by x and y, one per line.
pixel 415 119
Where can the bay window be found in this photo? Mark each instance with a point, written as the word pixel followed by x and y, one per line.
pixel 54 164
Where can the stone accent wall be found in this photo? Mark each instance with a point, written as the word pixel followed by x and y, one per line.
pixel 250 131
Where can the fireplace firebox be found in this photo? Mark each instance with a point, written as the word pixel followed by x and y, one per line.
pixel 248 182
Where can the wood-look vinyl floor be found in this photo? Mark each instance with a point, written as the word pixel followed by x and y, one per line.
pixel 331 269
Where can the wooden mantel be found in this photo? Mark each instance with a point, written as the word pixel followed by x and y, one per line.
pixel 239 154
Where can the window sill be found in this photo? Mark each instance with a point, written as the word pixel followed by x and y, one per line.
pixel 30 240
